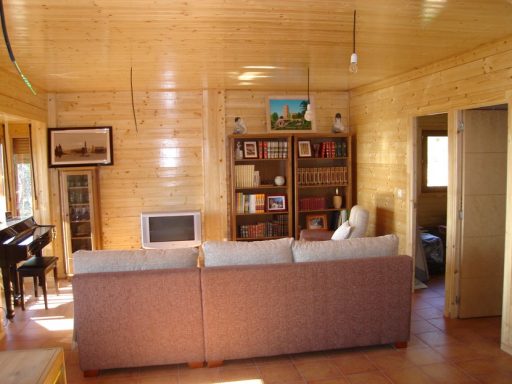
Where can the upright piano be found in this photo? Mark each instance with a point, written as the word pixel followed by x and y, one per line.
pixel 19 240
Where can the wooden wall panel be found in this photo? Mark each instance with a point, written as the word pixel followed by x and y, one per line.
pixel 16 99
pixel 251 106
pixel 382 115
pixel 157 168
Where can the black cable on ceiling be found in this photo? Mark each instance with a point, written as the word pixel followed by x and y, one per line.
pixel 9 49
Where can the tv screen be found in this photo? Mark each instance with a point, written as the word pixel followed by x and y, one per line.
pixel 171 228
pixel 179 229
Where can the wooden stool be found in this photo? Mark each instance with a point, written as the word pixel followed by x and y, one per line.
pixel 38 267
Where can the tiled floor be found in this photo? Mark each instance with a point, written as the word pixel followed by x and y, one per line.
pixel 440 351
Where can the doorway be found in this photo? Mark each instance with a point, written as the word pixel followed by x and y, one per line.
pixel 475 209
pixel 431 182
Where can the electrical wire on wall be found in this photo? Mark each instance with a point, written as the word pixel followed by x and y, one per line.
pixel 133 104
pixel 9 49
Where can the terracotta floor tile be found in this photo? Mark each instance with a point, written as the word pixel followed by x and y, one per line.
pixel 272 360
pixel 241 374
pixel 429 313
pixel 158 371
pixel 447 373
pixel 413 375
pixel 420 326
pixel 354 363
pixel 456 352
pixel 318 369
pixel 309 356
pixel 340 380
pixel 436 338
pixel 423 356
pixel 368 378
pixel 158 380
pixel 284 372
pixel 392 360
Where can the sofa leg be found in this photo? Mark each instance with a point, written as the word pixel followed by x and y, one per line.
pixel 215 363
pixel 195 364
pixel 92 373
pixel 401 344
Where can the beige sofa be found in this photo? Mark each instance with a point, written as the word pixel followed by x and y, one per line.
pixel 295 297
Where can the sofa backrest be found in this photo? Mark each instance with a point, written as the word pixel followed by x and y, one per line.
pixel 261 310
pixel 133 260
pixel 345 249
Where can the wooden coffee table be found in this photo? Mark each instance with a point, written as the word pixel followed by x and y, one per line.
pixel 33 366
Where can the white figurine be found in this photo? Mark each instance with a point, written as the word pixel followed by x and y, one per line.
pixel 338 126
pixel 239 126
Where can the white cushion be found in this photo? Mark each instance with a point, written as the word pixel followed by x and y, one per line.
pixel 304 251
pixel 218 253
pixel 342 233
pixel 134 260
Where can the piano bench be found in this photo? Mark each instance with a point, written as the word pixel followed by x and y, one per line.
pixel 37 267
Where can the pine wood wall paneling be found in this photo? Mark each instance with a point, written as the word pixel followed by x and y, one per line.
pixel 16 99
pixel 460 82
pixel 251 106
pixel 215 166
pixel 158 168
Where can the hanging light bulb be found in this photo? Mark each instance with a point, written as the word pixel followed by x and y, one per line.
pixel 353 58
pixel 308 115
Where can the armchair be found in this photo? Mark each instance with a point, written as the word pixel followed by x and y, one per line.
pixel 358 220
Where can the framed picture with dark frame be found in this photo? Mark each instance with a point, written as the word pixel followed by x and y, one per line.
pixel 316 221
pixel 250 150
pixel 276 203
pixel 81 146
pixel 304 148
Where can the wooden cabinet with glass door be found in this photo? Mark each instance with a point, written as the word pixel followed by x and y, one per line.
pixel 80 212
pixel 261 202
pixel 323 182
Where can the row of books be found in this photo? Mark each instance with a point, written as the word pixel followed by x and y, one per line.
pixel 250 203
pixel 244 176
pixel 312 203
pixel 331 149
pixel 273 149
pixel 277 227
pixel 324 175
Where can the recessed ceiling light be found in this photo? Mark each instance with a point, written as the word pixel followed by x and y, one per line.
pixel 248 76
pixel 260 67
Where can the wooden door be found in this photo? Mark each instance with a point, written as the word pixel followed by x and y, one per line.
pixel 484 174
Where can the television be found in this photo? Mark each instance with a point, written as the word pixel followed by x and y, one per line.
pixel 179 229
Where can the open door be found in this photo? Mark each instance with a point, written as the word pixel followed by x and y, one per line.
pixel 483 203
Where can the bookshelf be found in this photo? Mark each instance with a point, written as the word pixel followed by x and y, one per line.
pixel 261 207
pixel 322 166
pixel 314 166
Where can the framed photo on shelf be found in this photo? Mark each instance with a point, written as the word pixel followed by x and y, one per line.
pixel 286 114
pixel 250 150
pixel 276 203
pixel 304 147
pixel 77 147
pixel 316 221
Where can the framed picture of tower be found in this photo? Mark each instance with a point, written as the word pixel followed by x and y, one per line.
pixel 288 114
pixel 77 147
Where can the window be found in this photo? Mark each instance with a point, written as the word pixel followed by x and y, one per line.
pixel 434 161
pixel 22 167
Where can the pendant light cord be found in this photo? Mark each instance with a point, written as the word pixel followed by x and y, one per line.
pixel 354 34
pixel 308 84
pixel 133 104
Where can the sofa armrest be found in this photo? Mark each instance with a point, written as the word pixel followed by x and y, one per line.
pixel 315 234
